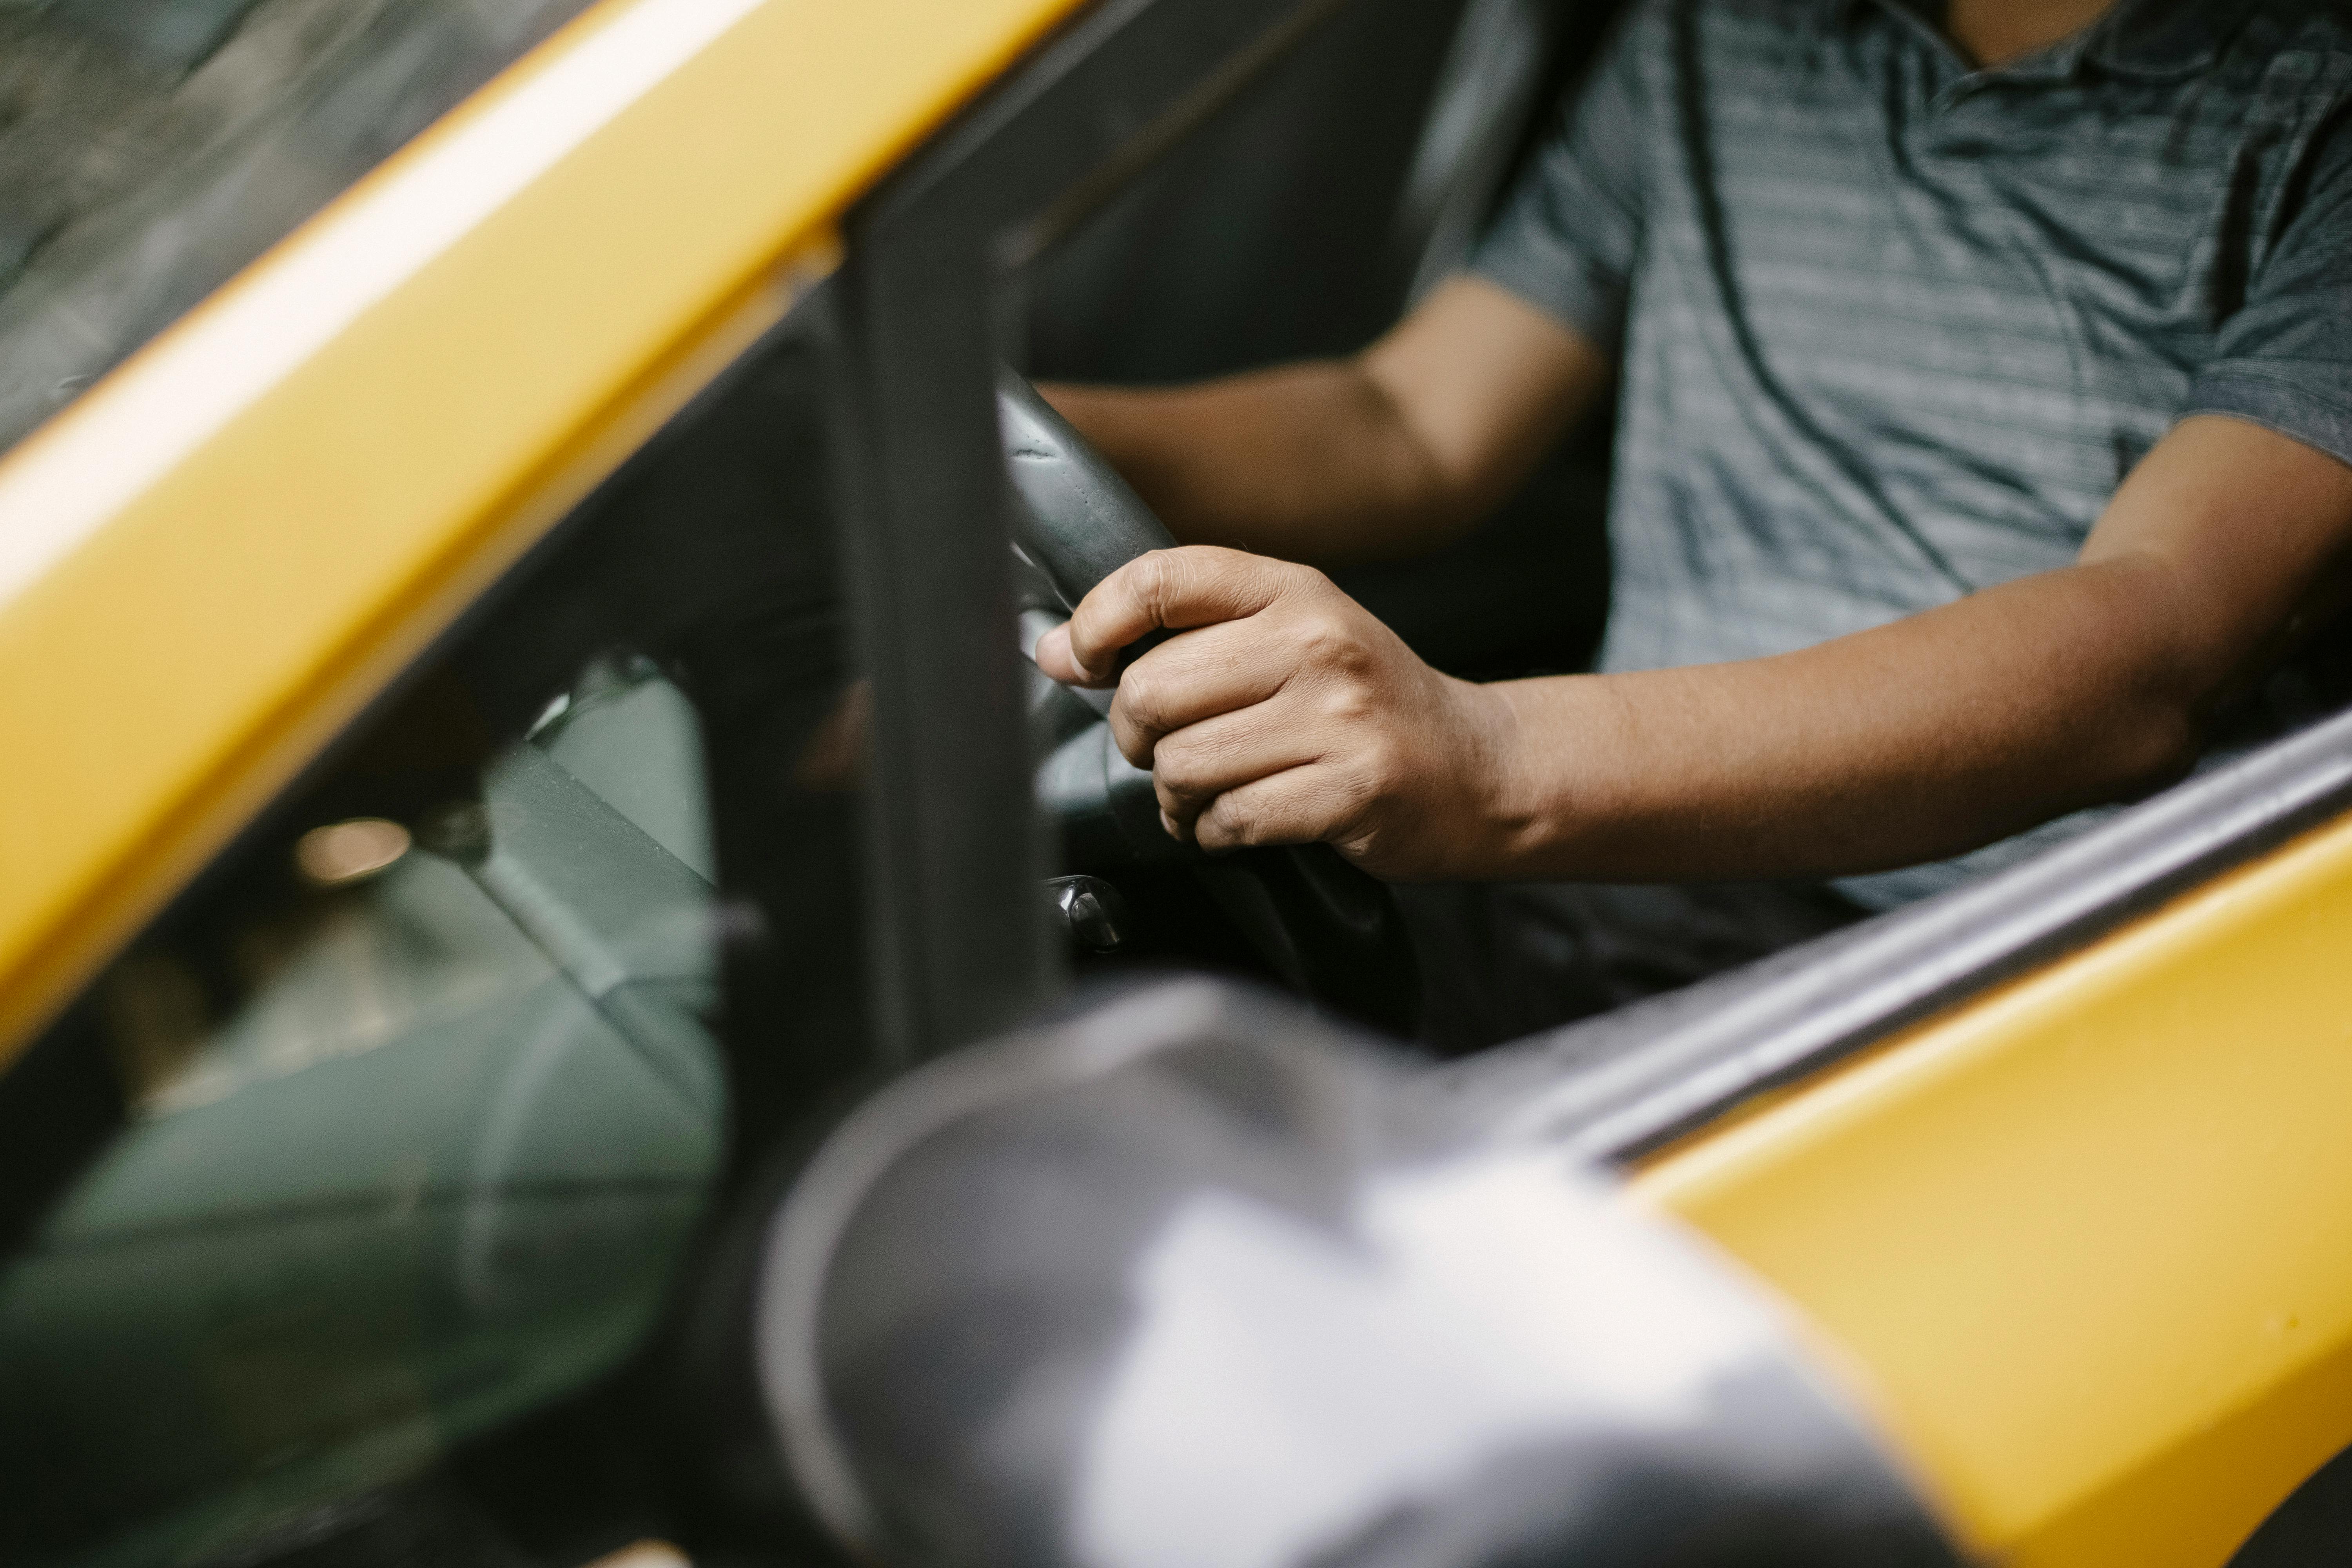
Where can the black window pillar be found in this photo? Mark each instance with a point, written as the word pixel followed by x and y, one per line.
pixel 925 311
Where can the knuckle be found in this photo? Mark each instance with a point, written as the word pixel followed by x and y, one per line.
pixel 1303 580
pixel 1327 640
pixel 1158 578
pixel 1322 630
pixel 1147 574
pixel 1175 769
pixel 1132 743
pixel 1139 697
pixel 1348 702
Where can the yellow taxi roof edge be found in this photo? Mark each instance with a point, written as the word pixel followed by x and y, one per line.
pixel 212 559
pixel 83 467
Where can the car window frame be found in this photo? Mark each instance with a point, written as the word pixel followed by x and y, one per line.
pixel 929 303
pixel 442 303
pixel 924 300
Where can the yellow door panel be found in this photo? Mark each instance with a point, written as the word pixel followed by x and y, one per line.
pixel 2091 1236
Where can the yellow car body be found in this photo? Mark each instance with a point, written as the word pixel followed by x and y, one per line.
pixel 2079 1234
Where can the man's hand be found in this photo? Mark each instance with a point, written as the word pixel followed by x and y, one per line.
pixel 1286 713
pixel 1289 713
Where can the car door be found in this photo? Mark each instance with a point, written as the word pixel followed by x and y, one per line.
pixel 523 726
pixel 522 668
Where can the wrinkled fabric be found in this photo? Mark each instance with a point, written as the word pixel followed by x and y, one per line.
pixel 1893 329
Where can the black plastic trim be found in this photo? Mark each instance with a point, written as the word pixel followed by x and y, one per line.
pixel 960 946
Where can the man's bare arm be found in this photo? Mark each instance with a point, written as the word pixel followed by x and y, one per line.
pixel 1291 714
pixel 1948 730
pixel 1389 453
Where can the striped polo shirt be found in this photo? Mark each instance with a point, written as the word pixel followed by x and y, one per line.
pixel 1893 327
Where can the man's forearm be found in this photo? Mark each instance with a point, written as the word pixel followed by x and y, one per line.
pixel 1947 730
pixel 1385 454
pixel 1287 712
pixel 1308 462
pixel 1917 739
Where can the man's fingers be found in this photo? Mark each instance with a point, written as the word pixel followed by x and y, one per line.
pixel 1241 749
pixel 1300 805
pixel 1202 761
pixel 1191 586
pixel 1207 671
pixel 1052 657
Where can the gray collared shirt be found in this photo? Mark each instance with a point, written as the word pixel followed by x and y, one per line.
pixel 1893 327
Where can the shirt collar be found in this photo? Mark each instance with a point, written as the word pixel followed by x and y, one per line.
pixel 2147 40
pixel 2158 40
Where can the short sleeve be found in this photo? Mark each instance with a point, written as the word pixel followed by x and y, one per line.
pixel 1566 239
pixel 2284 359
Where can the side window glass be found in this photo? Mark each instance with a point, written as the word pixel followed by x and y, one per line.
pixel 429 1086
pixel 149 149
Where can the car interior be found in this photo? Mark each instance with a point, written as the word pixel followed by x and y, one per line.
pixel 396 1196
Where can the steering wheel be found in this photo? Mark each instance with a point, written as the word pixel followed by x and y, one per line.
pixel 1332 931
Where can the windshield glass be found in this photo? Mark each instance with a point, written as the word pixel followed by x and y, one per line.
pixel 149 149
pixel 394 1136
